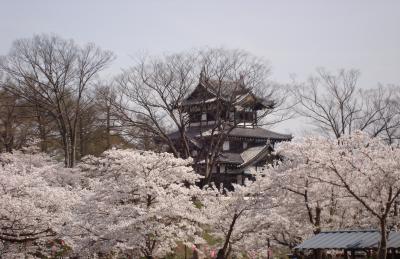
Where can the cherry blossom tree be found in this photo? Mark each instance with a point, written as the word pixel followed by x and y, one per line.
pixel 140 203
pixel 307 206
pixel 239 218
pixel 362 172
pixel 35 201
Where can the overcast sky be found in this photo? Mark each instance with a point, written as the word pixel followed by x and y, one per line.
pixel 295 36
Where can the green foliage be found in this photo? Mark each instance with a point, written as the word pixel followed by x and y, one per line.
pixel 211 240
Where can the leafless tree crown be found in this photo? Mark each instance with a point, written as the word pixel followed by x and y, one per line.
pixel 54 74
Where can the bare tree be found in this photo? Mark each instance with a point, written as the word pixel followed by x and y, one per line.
pixel 8 121
pixel 381 114
pixel 98 127
pixel 151 91
pixel 54 74
pixel 17 122
pixel 154 90
pixel 337 106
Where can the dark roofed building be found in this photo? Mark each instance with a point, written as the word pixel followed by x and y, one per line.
pixel 245 145
pixel 359 243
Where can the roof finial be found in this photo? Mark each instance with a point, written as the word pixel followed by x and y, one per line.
pixel 241 79
pixel 203 74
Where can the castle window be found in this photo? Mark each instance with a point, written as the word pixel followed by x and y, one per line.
pixel 194 117
pixel 231 116
pixel 211 116
pixel 204 116
pixel 225 146
pixel 244 145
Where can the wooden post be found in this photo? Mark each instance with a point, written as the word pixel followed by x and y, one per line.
pixel 391 253
pixel 185 252
pixel 369 255
pixel 317 253
pixel 254 118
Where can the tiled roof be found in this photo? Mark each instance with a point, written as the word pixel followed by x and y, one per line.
pixel 249 153
pixel 198 101
pixel 352 240
pixel 238 132
pixel 225 88
pixel 254 154
pixel 246 158
pixel 230 91
pixel 230 158
pixel 258 133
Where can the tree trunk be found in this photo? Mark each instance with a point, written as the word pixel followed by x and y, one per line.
pixel 8 137
pixel 210 163
pixel 220 254
pixel 9 144
pixel 43 138
pixel 108 128
pixel 208 173
pixel 223 252
pixel 81 140
pixel 317 254
pixel 72 147
pixel 65 148
pixel 383 243
pixel 195 255
pixel 317 221
pixel 42 131
pixel 72 155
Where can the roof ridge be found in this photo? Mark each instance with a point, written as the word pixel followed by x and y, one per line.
pixel 349 230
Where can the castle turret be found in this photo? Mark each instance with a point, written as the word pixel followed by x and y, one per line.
pixel 228 108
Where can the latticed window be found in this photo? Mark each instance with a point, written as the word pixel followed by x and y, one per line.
pixel 225 146
pixel 195 117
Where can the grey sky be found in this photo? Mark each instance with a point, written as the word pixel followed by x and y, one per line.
pixel 295 36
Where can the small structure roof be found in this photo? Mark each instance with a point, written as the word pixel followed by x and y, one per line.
pixel 250 153
pixel 350 240
pixel 230 158
pixel 254 154
pixel 246 158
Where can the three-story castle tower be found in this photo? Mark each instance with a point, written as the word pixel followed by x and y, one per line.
pixel 222 129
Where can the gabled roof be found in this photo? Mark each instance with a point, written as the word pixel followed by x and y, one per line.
pixel 230 158
pixel 249 99
pixel 235 92
pixel 254 154
pixel 247 158
pixel 225 89
pixel 349 239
